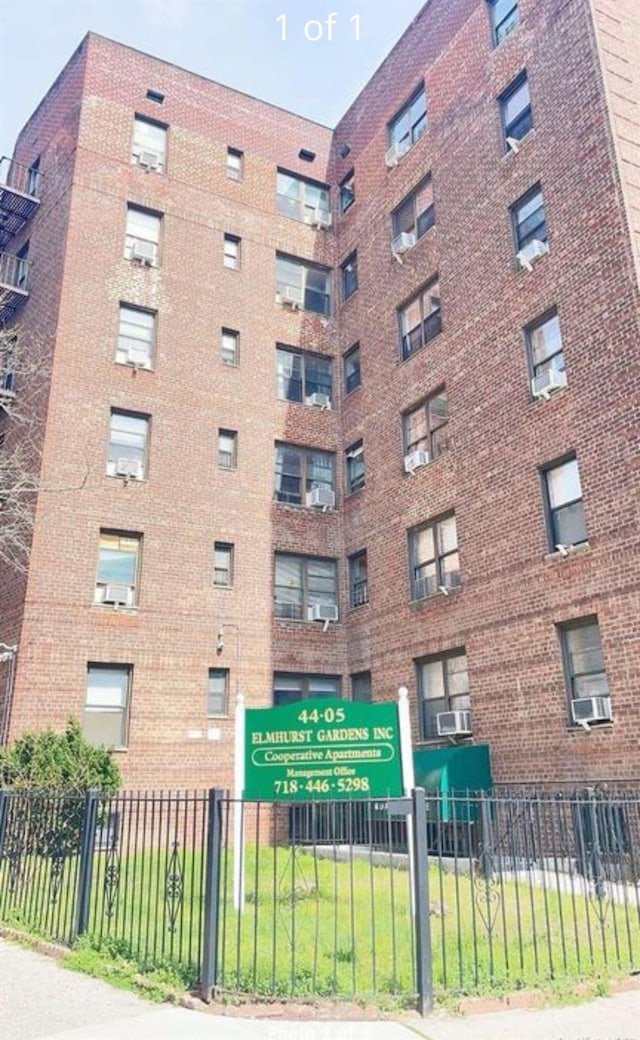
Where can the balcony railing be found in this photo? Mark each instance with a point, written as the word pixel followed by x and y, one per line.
pixel 19 196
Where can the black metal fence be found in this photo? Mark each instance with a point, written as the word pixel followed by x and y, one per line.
pixel 438 893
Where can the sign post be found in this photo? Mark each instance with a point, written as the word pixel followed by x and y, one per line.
pixel 408 779
pixel 238 794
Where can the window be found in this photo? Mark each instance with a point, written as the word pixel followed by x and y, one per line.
pixel 420 319
pixel 349 272
pixel 33 178
pixel 358 579
pixel 218 691
pixel 142 239
pixel 301 583
pixel 352 374
pixel 425 427
pixel 528 219
pixel 8 348
pixel 288 688
pixel 347 192
pixel 156 96
pixel 361 686
pixel 149 146
pixel 443 685
pixel 299 471
pixel 223 564
pixel 504 17
pixel 22 267
pixel 565 511
pixel 583 661
pixel 354 458
pixel 235 164
pixel 302 199
pixel 544 345
pixel 433 554
pixel 302 375
pixel 515 108
pixel 231 252
pixel 410 123
pixel 128 437
pixel 227 449
pixel 415 214
pixel 230 347
pixel 104 721
pixel 136 336
pixel 303 285
pixel 118 567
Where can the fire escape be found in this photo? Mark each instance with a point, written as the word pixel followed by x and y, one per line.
pixel 19 199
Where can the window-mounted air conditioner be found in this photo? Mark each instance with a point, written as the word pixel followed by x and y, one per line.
pixel 325 612
pixel 453 723
pixel 131 468
pixel 591 709
pixel 143 252
pixel 415 459
pixel 513 144
pixel 546 382
pixel 403 242
pixel 319 400
pixel 116 595
pixel 450 581
pixel 395 153
pixel 149 160
pixel 138 357
pixel 290 297
pixel 531 253
pixel 321 218
pixel 321 498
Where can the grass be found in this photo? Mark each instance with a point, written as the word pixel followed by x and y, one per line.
pixel 315 927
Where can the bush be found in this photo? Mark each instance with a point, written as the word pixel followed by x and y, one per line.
pixel 62 762
pixel 51 773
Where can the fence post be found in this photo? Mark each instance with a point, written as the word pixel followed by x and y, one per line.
pixel 422 920
pixel 486 855
pixel 3 810
pixel 87 849
pixel 209 971
pixel 599 887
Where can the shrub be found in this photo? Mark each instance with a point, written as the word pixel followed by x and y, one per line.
pixel 61 762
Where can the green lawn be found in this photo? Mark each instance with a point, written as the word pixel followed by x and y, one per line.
pixel 314 926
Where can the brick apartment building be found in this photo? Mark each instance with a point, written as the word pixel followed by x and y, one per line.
pixel 332 411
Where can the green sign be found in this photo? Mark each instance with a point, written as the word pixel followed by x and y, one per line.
pixel 323 748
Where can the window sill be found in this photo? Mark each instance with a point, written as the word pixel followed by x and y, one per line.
pixel 558 392
pixel 353 493
pixel 228 469
pixel 349 393
pixel 416 604
pixel 116 608
pixel 468 738
pixel 126 480
pixel 357 606
pixel 218 718
pixel 576 729
pixel 223 588
pixel 570 552
pixel 347 299
pixel 133 367
pixel 309 509
pixel 519 269
pixel 120 750
pixel 304 621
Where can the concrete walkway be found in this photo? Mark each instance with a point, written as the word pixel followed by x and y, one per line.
pixel 40 999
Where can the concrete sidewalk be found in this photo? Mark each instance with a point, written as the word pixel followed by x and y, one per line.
pixel 39 999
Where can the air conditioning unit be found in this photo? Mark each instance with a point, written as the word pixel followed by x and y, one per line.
pixel 143 252
pixel 395 153
pixel 321 219
pixel 551 379
pixel 138 357
pixel 591 709
pixel 323 612
pixel 149 160
pixel 531 253
pixel 132 468
pixel 514 144
pixel 403 242
pixel 291 297
pixel 450 581
pixel 423 587
pixel 415 459
pixel 117 595
pixel 321 498
pixel 319 400
pixel 454 723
